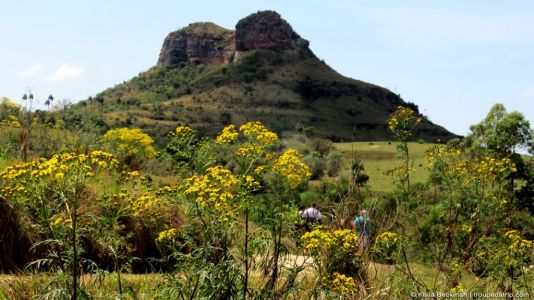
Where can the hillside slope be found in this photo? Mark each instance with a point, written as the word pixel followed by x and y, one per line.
pixel 208 76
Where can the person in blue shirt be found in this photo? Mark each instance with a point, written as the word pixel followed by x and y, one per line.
pixel 362 225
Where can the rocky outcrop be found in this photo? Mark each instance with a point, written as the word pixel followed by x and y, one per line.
pixel 267 30
pixel 205 43
pixel 209 43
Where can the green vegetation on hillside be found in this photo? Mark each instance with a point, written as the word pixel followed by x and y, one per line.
pixel 284 89
pixel 218 217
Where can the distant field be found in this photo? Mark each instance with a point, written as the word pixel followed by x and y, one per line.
pixel 378 157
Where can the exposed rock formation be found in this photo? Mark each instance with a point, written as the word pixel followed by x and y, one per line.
pixel 267 30
pixel 205 43
pixel 209 43
pixel 272 77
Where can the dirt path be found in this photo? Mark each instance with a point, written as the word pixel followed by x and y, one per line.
pixel 291 261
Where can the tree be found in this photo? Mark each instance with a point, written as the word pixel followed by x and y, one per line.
pixel 49 101
pixel 503 132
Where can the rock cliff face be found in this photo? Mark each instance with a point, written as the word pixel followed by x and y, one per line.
pixel 209 43
pixel 267 30
pixel 204 43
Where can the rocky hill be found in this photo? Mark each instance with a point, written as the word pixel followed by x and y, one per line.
pixel 208 76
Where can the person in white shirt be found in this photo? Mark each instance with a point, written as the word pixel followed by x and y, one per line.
pixel 312 215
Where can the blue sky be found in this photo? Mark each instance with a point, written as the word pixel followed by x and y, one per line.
pixel 455 59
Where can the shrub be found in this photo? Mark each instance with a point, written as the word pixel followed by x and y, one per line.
pixel 386 246
pixel 334 161
pixel 335 253
pixel 131 146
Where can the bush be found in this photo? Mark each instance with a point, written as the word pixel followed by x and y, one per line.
pixel 131 146
pixel 386 247
pixel 334 161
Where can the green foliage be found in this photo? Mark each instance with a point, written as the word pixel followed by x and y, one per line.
pixel 281 88
pixel 224 223
pixel 386 247
pixel 502 131
pixel 334 161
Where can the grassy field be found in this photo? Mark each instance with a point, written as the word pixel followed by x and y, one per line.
pixel 104 287
pixel 386 282
pixel 378 157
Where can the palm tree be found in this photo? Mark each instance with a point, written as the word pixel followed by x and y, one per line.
pixel 49 101
pixel 31 100
pixel 25 98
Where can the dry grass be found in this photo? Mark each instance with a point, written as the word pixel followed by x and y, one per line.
pixel 134 286
pixel 386 282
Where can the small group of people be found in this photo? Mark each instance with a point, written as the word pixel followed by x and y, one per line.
pixel 361 224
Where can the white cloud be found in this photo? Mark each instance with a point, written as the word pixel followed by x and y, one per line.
pixel 31 71
pixel 65 72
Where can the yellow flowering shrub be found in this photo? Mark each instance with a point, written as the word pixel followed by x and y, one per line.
pixel 165 190
pixel 257 140
pixel 250 151
pixel 168 235
pixel 144 203
pixel 517 246
pixel 385 247
pixel 250 183
pixel 188 152
pixel 290 166
pixel 216 190
pixel 134 177
pixel 504 256
pixel 132 146
pixel 334 252
pixel 458 289
pixel 21 179
pixel 260 170
pixel 402 121
pixel 438 153
pixel 450 161
pixel 11 121
pixel 342 284
pixel 228 135
pixel 8 105
pixel 59 222
pixel 400 172
pixel 184 133
pixel 257 133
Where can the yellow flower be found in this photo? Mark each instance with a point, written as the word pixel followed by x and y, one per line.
pixel 291 167
pixel 185 133
pixel 144 203
pixel 402 121
pixel 341 283
pixel 319 240
pixel 260 170
pixel 167 235
pixel 250 183
pixel 256 132
pixel 130 142
pixel 216 191
pixel 60 221
pixel 227 136
pixel 250 151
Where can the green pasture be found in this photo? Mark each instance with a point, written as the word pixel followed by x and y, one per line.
pixel 378 157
